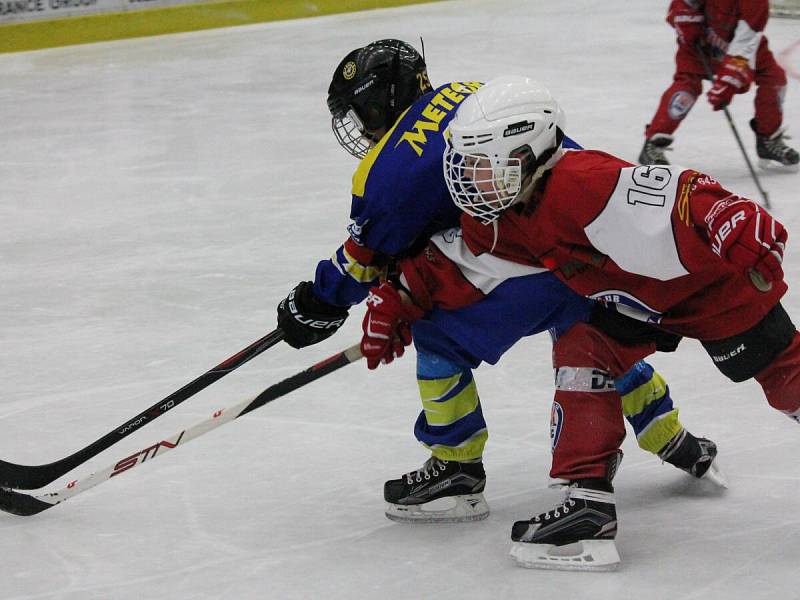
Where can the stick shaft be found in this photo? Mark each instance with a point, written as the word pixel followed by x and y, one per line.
pixel 735 131
pixel 31 477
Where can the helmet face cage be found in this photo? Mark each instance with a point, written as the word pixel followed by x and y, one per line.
pixel 482 187
pixel 349 132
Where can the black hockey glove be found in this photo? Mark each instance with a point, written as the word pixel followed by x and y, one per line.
pixel 628 330
pixel 306 320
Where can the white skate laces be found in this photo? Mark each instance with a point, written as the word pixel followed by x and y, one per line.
pixel 428 469
pixel 571 494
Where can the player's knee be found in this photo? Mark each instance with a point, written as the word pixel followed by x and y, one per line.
pixel 689 83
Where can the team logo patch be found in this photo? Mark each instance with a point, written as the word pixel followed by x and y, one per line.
pixel 679 105
pixel 349 70
pixel 629 305
pixel 556 424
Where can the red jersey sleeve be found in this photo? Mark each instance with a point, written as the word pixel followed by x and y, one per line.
pixel 434 280
pixel 755 13
pixel 700 198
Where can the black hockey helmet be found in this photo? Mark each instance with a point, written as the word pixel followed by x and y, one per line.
pixel 371 87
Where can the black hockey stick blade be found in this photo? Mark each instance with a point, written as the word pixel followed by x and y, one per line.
pixel 32 477
pixel 22 505
pixel 25 505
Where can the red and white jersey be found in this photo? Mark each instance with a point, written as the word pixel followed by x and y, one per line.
pixel 734 27
pixel 633 235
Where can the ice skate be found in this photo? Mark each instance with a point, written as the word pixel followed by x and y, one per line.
pixel 440 492
pixel 653 150
pixel 696 456
pixel 577 535
pixel 772 151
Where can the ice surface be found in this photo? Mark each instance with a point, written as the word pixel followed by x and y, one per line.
pixel 159 196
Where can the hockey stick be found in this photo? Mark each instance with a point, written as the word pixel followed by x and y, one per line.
pixel 31 477
pixel 25 505
pixel 735 131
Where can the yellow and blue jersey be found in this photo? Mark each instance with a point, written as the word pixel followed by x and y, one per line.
pixel 399 192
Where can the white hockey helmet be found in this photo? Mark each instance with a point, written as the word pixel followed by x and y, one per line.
pixel 501 134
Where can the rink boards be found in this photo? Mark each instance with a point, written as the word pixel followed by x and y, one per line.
pixel 37 24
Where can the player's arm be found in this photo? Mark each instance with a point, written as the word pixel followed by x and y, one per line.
pixel 419 283
pixel 423 281
pixel 432 279
pixel 735 73
pixel 739 231
pixel 688 20
pixel 444 275
pixel 650 224
pixel 313 311
pixel 346 277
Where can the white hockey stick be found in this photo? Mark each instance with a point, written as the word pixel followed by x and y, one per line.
pixel 27 504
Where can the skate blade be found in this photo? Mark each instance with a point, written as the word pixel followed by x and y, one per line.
pixel 587 555
pixel 451 509
pixel 715 475
pixel 773 165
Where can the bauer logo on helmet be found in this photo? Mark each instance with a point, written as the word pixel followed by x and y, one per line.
pixel 517 128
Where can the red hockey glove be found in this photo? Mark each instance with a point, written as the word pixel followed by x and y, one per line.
pixel 387 325
pixel 746 235
pixel 689 23
pixel 734 76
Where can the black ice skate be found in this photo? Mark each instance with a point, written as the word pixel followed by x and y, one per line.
pixel 440 492
pixel 696 456
pixel 773 150
pixel 577 535
pixel 653 150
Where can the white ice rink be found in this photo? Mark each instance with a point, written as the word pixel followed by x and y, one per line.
pixel 159 196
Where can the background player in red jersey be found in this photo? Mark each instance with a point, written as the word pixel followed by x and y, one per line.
pixel 731 34
pixel 668 246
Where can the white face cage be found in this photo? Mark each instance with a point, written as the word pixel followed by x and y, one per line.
pixel 480 186
pixel 349 132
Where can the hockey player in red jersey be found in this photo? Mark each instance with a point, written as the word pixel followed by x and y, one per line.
pixel 731 35
pixel 667 246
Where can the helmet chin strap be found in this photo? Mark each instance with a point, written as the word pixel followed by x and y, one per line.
pixel 496 232
pixel 530 182
pixel 528 185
